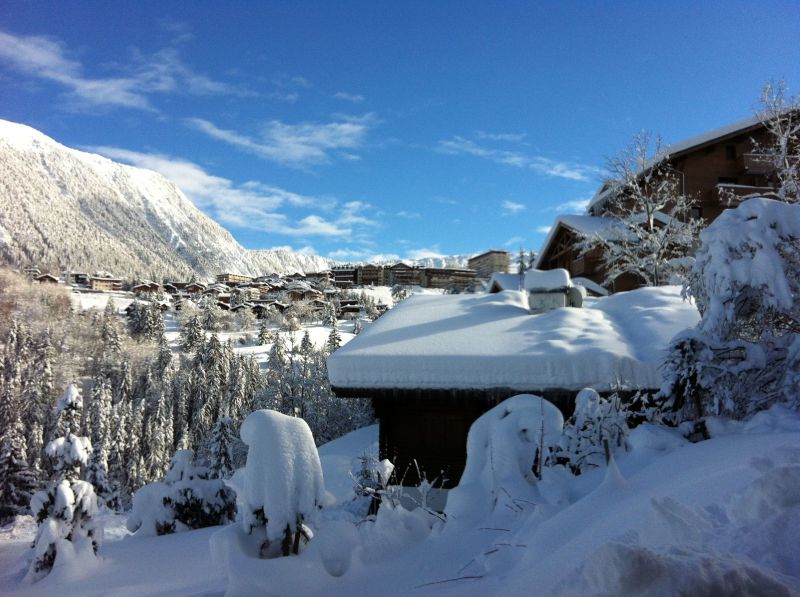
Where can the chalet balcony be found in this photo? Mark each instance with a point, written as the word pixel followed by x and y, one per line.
pixel 756 163
pixel 730 195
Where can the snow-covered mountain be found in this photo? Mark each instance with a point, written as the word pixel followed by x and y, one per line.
pixel 443 261
pixel 61 208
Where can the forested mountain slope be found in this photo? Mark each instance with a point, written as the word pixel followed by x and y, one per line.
pixel 66 209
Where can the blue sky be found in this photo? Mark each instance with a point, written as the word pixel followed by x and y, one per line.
pixel 356 129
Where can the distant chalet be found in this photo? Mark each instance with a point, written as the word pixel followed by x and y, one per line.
pixel 433 364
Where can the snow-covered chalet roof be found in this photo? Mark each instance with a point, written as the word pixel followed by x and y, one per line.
pixel 583 225
pixel 551 279
pixel 500 281
pixel 485 341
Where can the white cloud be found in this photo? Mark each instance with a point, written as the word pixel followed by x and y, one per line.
pixel 509 137
pixel 353 213
pixel 409 215
pixel 163 72
pixel 424 253
pixel 514 240
pixel 349 97
pixel 252 205
pixel 296 144
pixel 576 206
pixel 462 146
pixel 511 207
pixel 543 229
pixel 305 250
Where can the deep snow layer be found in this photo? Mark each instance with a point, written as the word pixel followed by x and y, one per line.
pixel 720 517
pixel 491 341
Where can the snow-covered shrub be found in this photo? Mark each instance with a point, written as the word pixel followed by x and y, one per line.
pixel 282 485
pixel 371 482
pixel 596 420
pixel 503 445
pixel 743 355
pixel 64 511
pixel 185 499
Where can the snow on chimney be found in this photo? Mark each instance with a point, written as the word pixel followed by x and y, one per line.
pixel 551 289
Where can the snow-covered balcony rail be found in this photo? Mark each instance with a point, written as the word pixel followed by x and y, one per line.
pixel 729 194
pixel 759 163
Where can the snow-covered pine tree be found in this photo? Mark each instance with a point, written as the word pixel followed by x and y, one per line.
pixel 357 326
pixel 306 346
pixel 334 341
pixel 17 479
pixel 109 332
pixel 264 334
pixel 98 423
pixel 211 315
pixel 329 315
pixel 159 437
pixel 221 446
pixel 65 510
pixel 191 335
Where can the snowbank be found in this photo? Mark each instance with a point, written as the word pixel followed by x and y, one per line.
pixel 491 341
pixel 501 448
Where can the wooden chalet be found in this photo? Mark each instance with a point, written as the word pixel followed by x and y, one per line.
pixel 104 284
pixel 714 169
pixel 233 279
pixel 435 363
pixel 194 288
pixel 146 288
pixel 46 279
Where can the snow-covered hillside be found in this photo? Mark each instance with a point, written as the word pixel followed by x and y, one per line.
pixel 63 208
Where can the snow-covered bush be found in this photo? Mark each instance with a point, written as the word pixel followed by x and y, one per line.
pixel 65 510
pixel 743 355
pixel 185 499
pixel 371 482
pixel 282 485
pixel 596 420
pixel 503 446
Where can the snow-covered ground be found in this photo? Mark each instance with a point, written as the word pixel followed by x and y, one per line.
pixel 719 517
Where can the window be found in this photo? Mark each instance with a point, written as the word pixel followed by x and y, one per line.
pixel 728 180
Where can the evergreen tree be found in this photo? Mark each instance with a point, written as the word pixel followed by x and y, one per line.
pixel 334 341
pixel 65 509
pixel 17 479
pixel 264 335
pixel 191 335
pixel 306 346
pixel 223 437
pixel 329 315
pixel 357 326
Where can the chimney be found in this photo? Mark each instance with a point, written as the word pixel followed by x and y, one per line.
pixel 551 289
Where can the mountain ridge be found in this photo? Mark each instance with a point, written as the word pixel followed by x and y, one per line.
pixel 62 208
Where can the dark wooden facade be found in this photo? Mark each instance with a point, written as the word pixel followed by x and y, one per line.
pixel 713 172
pixel 431 426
